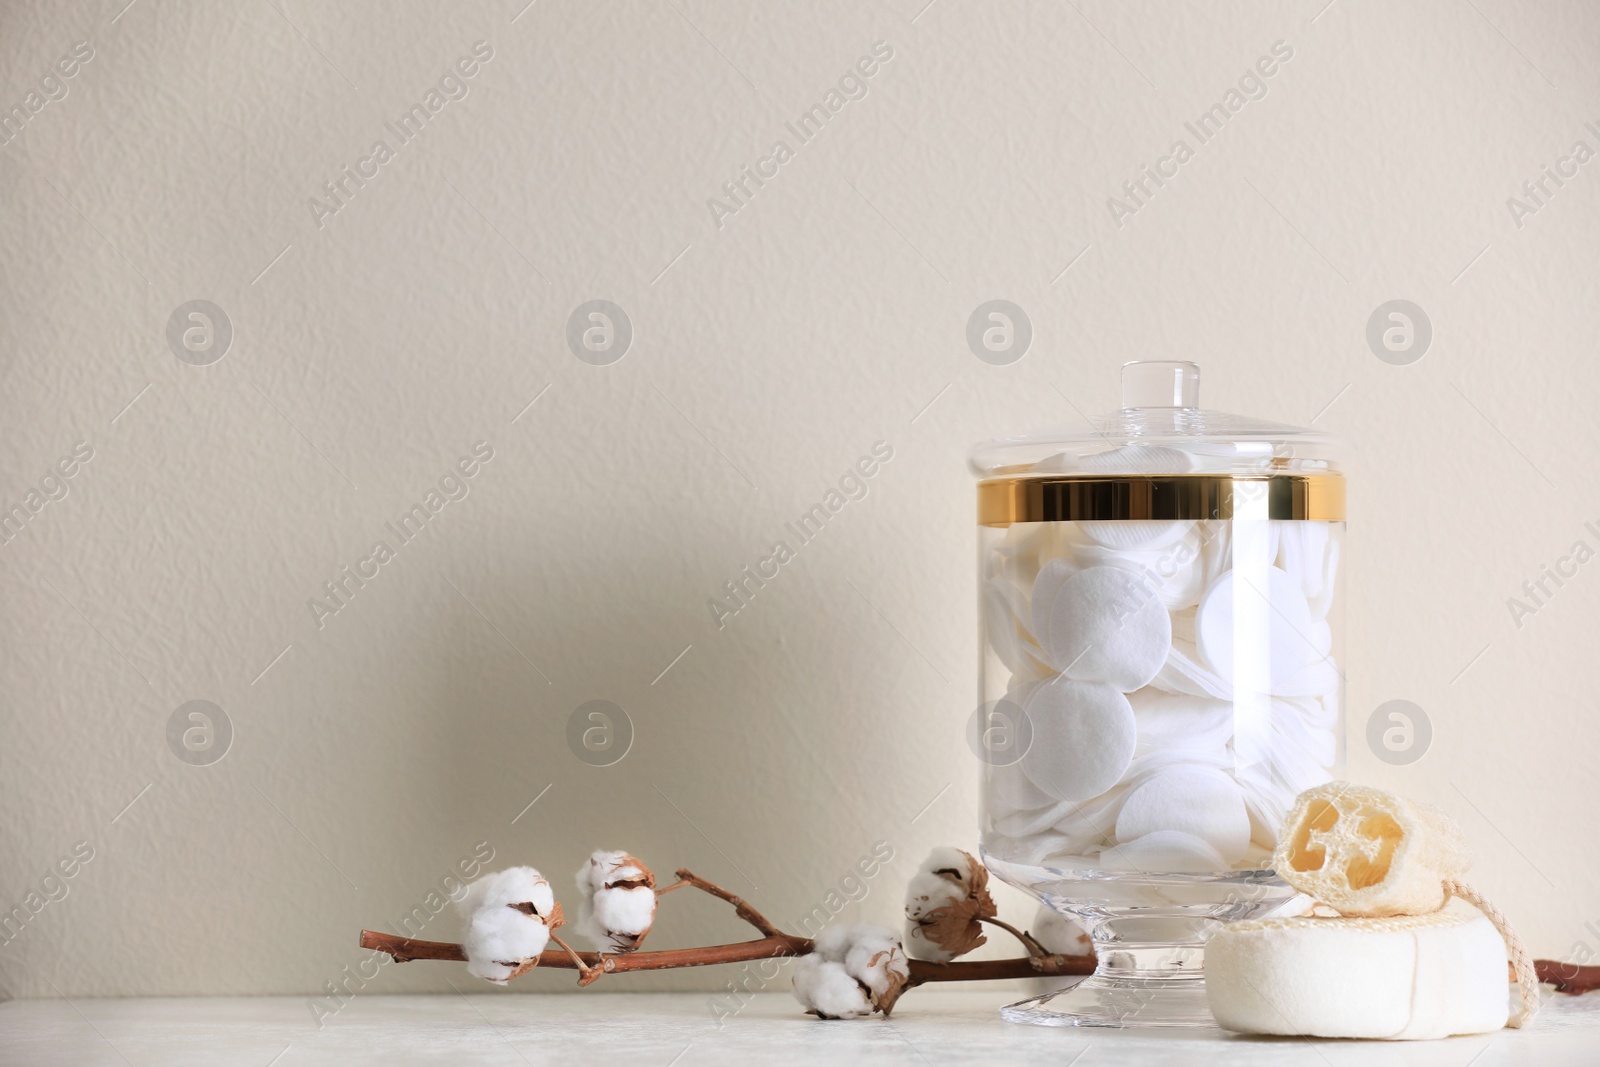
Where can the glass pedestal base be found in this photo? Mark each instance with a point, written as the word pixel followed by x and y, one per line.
pixel 1118 1002
pixel 1149 934
pixel 1134 985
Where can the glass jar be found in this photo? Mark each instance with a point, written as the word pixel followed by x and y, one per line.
pixel 1159 678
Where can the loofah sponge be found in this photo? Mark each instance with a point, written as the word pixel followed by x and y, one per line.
pixel 1392 964
pixel 1365 852
pixel 1407 978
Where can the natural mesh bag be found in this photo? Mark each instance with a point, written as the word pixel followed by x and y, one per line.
pixel 1366 852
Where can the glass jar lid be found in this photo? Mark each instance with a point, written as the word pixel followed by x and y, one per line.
pixel 1161 456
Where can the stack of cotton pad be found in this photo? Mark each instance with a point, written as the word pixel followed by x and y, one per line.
pixel 1179 683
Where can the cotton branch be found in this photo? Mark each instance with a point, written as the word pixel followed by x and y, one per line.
pixel 1567 977
pixel 405 949
pixel 740 907
pixel 775 944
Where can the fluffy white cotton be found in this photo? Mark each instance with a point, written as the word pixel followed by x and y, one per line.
pixel 1059 934
pixel 859 955
pixel 613 916
pixel 927 892
pixel 514 885
pixel 500 936
pixel 876 960
pixel 825 988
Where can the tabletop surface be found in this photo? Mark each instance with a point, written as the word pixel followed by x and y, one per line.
pixel 662 1030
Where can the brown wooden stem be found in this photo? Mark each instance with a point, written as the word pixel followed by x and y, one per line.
pixel 1565 977
pixel 741 907
pixel 405 949
pixel 1568 977
pixel 1027 939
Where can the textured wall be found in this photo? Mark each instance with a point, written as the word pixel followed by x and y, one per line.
pixel 378 338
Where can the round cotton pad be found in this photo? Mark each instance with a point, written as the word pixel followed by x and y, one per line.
pixel 1308 551
pixel 1177 721
pixel 1195 800
pixel 1052 576
pixel 1103 625
pixel 1412 977
pixel 1173 570
pixel 1083 737
pixel 1139 459
pixel 1183 673
pixel 1269 606
pixel 1002 629
pixel 1165 851
pixel 1135 533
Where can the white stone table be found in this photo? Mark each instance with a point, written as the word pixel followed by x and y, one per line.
pixel 930 1028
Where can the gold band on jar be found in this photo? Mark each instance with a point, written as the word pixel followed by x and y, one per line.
pixel 1073 498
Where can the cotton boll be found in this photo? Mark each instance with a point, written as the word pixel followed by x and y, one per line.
pixel 499 938
pixel 514 885
pixel 877 961
pixel 928 892
pixel 946 901
pixel 617 901
pixel 869 957
pixel 825 989
pixel 835 942
pixel 1061 936
pixel 501 933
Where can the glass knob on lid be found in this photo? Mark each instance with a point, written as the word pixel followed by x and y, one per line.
pixel 1160 428
pixel 1160 384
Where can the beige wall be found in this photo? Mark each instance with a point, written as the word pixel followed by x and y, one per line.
pixel 375 345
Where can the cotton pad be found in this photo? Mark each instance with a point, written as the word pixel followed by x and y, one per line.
pixel 1310 552
pixel 1172 569
pixel 1183 624
pixel 1266 612
pixel 1091 823
pixel 1135 533
pixel 1318 678
pixel 1102 625
pixel 1004 631
pixel 1164 851
pixel 1184 673
pixel 1083 738
pixel 1017 807
pixel 1195 800
pixel 1139 459
pixel 1046 586
pixel 1031 850
pixel 1412 977
pixel 1178 721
